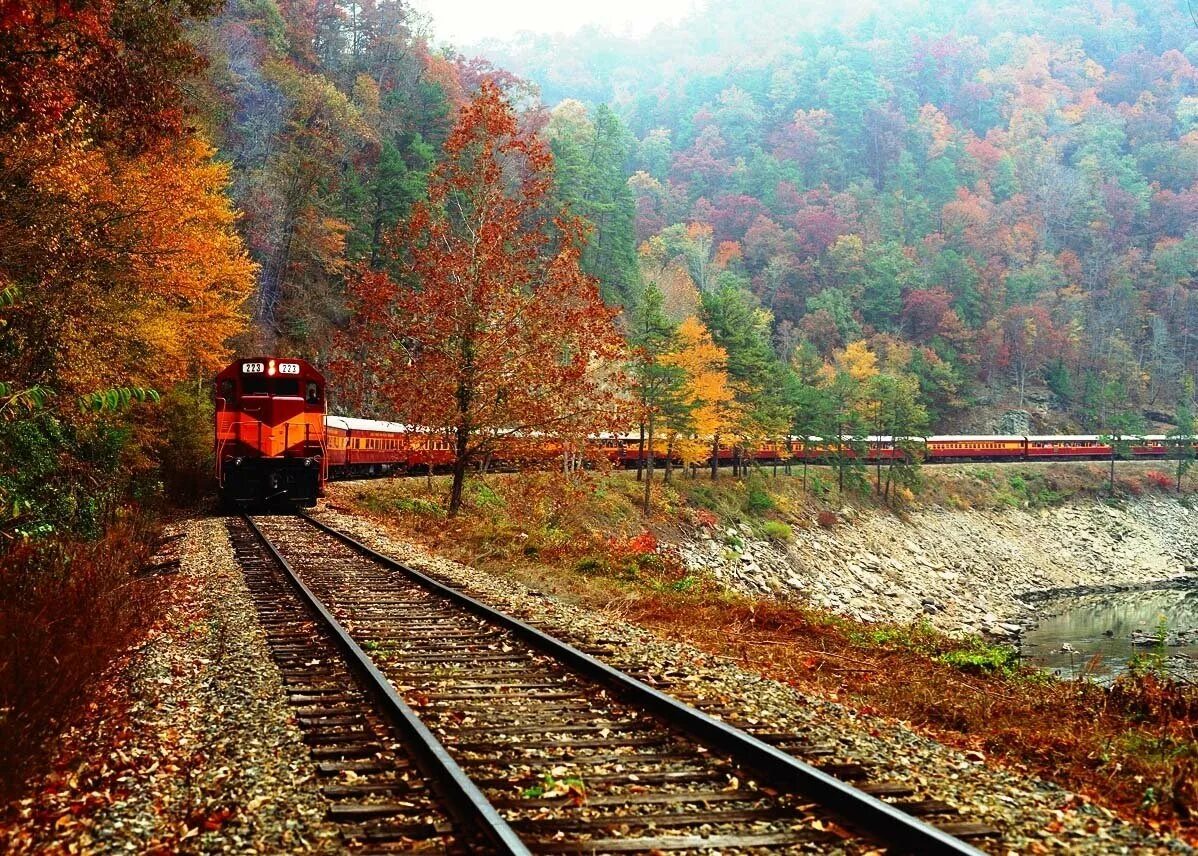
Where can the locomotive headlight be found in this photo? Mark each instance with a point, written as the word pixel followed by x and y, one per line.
pixel 237 462
pixel 270 368
pixel 307 462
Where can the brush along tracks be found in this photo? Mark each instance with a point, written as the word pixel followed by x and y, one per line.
pixel 543 748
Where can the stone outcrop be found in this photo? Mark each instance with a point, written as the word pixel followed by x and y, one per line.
pixel 967 571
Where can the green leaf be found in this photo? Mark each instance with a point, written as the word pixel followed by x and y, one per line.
pixel 13 399
pixel 117 398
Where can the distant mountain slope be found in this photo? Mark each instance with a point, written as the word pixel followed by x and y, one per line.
pixel 1003 194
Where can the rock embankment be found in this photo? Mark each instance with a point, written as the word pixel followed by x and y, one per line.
pixel 967 571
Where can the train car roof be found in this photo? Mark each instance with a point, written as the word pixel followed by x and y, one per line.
pixel 973 438
pixel 1063 438
pixel 352 423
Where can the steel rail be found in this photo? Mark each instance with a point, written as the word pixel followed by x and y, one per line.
pixel 465 801
pixel 869 813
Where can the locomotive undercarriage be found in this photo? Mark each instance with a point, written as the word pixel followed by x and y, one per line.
pixel 270 481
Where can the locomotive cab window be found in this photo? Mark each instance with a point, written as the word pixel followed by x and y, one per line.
pixel 313 393
pixel 225 390
pixel 254 385
pixel 287 387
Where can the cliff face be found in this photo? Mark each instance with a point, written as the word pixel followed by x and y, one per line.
pixel 961 570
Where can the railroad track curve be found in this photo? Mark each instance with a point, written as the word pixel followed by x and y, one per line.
pixel 441 724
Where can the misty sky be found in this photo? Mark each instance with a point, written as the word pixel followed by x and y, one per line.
pixel 462 22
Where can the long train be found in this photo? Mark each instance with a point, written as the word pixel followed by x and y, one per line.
pixel 275 439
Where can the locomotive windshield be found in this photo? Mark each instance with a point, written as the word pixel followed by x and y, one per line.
pixel 254 385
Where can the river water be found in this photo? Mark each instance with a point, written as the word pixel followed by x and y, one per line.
pixel 1102 629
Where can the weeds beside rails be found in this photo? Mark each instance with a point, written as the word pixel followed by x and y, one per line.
pixel 67 608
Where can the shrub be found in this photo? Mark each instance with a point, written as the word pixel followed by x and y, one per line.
pixel 589 565
pixel 1159 480
pixel 188 465
pixel 66 609
pixel 982 658
pixel 418 506
pixel 643 543
pixel 828 519
pixel 757 499
pixel 776 530
pixel 1032 490
pixel 482 496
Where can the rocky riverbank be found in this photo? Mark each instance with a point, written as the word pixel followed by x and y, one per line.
pixel 962 570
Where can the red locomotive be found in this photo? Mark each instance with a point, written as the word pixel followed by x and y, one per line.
pixel 274 440
pixel 270 431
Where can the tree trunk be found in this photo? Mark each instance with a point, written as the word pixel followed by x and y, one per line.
pixel 840 462
pixel 649 467
pixel 1112 488
pixel 715 457
pixel 670 459
pixel 640 455
pixel 460 462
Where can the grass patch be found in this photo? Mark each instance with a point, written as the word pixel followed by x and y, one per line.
pixel 983 659
pixel 776 530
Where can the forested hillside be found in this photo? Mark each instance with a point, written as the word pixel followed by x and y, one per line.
pixel 999 197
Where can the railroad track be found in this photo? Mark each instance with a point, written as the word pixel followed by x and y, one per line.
pixel 442 724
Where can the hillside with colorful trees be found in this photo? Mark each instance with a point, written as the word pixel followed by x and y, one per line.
pixel 997 197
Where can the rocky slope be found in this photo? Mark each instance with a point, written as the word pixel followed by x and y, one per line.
pixel 961 570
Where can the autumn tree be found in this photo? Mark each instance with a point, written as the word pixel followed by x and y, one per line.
pixel 657 383
pixel 488 329
pixel 742 329
pixel 1027 342
pixel 711 406
pixel 119 254
pixel 844 382
pixel 900 415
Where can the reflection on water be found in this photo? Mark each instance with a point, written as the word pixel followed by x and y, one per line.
pixel 1106 624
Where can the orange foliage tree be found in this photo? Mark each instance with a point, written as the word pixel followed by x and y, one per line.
pixel 486 326
pixel 128 269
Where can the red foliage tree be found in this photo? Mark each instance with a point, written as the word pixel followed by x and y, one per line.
pixel 488 329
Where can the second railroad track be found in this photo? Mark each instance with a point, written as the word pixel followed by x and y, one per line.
pixel 442 724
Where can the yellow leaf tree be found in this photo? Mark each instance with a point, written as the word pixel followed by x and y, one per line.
pixel 707 391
